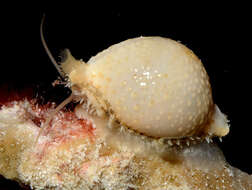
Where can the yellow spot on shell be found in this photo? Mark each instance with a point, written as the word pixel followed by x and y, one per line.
pixel 133 94
pixel 100 75
pixel 136 108
pixel 124 83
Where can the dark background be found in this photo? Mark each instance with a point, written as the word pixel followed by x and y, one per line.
pixel 218 34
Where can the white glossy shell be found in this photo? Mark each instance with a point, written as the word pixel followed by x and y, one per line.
pixel 153 85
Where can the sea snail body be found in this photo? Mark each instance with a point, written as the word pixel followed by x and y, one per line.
pixel 153 85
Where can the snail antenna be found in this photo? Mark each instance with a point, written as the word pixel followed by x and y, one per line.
pixel 62 104
pixel 56 65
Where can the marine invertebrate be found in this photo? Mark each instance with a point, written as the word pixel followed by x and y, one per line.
pixel 152 85
pixel 139 93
